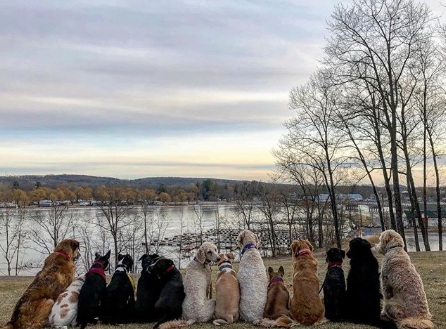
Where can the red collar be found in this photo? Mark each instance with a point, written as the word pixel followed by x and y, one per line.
pixel 275 279
pixel 304 252
pixel 170 268
pixel 63 253
pixel 334 264
pixel 97 270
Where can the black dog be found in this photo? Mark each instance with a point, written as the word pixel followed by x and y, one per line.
pixel 363 297
pixel 119 302
pixel 92 292
pixel 168 306
pixel 334 285
pixel 148 291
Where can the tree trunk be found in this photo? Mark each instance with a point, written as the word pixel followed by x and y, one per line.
pixel 438 193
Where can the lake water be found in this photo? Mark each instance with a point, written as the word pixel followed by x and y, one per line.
pixel 172 218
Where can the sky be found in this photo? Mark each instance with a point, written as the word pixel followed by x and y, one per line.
pixel 191 88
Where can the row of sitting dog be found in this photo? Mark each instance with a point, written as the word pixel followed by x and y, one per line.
pixel 163 297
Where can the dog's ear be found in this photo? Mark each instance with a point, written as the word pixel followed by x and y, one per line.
pixel 230 256
pixel 97 256
pixel 270 270
pixel 107 255
pixel 143 257
pixel 343 254
pixel 120 257
pixel 294 246
pixel 240 238
pixel 74 245
pixel 257 241
pixel 281 271
pixel 309 245
pixel 201 255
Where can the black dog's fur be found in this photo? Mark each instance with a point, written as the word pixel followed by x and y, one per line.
pixel 92 293
pixel 148 291
pixel 160 292
pixel 334 285
pixel 168 306
pixel 119 302
pixel 363 297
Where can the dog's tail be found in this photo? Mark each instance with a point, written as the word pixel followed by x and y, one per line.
pixel 415 323
pixel 9 325
pixel 176 324
pixel 222 322
pixel 283 321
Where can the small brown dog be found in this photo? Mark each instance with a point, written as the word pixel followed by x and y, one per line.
pixel 33 309
pixel 306 306
pixel 228 292
pixel 278 302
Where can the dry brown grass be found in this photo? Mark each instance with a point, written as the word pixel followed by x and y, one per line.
pixel 431 266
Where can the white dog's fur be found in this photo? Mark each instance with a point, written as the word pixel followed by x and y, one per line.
pixel 252 278
pixel 405 301
pixel 64 311
pixel 197 307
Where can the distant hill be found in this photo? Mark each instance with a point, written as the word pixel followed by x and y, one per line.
pixel 29 181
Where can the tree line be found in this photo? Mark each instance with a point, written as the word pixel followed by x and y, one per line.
pixel 374 111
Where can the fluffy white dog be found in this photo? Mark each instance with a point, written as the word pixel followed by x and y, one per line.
pixel 252 278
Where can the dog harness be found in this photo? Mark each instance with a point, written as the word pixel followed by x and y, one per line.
pixel 63 253
pixel 97 270
pixel 247 247
pixel 170 268
pixel 128 276
pixel 131 282
pixel 303 252
pixel 275 279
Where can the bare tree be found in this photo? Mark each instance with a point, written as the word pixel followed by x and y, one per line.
pixel 49 227
pixel 313 139
pixel 12 233
pixel 114 214
pixel 375 43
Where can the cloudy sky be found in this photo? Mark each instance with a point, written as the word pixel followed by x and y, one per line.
pixel 191 88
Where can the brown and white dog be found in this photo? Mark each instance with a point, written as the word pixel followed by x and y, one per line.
pixel 228 292
pixel 306 306
pixel 64 311
pixel 33 309
pixel 405 300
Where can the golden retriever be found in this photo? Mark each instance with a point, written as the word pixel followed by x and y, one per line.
pixel 306 306
pixel 405 301
pixel 33 309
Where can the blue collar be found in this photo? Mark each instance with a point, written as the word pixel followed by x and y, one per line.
pixel 248 246
pixel 206 262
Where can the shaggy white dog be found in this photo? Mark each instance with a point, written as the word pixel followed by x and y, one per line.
pixel 405 301
pixel 252 278
pixel 197 306
pixel 64 311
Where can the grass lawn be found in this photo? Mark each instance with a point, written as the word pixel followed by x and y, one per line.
pixel 431 266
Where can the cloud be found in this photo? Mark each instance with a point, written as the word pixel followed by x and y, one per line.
pixel 151 73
